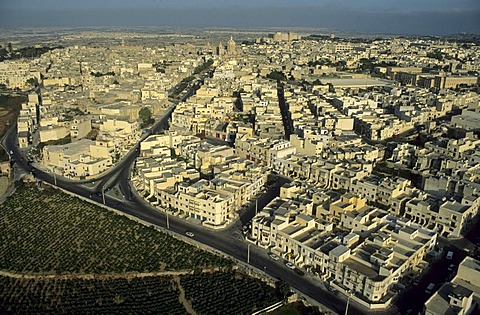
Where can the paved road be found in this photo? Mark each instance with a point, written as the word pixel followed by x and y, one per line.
pixel 415 296
pixel 286 116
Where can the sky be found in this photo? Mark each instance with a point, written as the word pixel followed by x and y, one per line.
pixel 423 17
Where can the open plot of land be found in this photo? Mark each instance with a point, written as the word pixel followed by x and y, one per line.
pixel 9 110
pixel 120 296
pixel 52 232
pixel 207 293
pixel 61 255
pixel 296 308
pixel 222 292
pixel 3 185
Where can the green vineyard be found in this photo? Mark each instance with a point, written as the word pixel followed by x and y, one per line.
pixel 223 292
pixel 60 255
pixel 217 293
pixel 52 232
pixel 156 295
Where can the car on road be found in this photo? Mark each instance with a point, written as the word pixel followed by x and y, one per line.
pixel 430 288
pixel 451 267
pixel 416 282
pixel 189 234
pixel 273 256
pixel 449 255
pixel 290 265
pixel 332 289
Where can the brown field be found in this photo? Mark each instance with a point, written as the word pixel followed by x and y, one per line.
pixel 9 110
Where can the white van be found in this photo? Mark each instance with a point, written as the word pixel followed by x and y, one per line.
pixel 429 288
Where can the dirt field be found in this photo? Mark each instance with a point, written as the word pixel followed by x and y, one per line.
pixel 3 184
pixel 9 109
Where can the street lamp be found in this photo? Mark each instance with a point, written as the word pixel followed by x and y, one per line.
pixel 248 253
pixel 54 175
pixel 348 301
pixel 103 194
pixel 168 223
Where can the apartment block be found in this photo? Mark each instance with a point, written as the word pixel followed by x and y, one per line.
pixel 460 295
pixel 73 160
pixel 368 255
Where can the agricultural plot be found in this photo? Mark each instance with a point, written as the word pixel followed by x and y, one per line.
pixel 227 293
pixel 58 241
pixel 149 295
pixel 217 293
pixel 52 232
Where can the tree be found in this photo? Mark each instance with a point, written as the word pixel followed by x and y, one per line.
pixel 282 288
pixel 33 82
pixel 203 66
pixel 277 75
pixel 145 116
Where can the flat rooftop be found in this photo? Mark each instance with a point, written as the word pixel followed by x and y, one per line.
pixel 362 269
pixel 291 229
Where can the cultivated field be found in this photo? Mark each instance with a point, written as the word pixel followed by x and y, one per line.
pixel 157 295
pixel 52 232
pixel 217 293
pixel 222 292
pixel 60 255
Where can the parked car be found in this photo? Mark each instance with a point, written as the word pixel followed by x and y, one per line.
pixel 290 265
pixel 451 267
pixel 189 234
pixel 416 282
pixel 449 255
pixel 332 289
pixel 273 256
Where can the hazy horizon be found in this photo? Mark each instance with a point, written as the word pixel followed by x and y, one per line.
pixel 428 17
